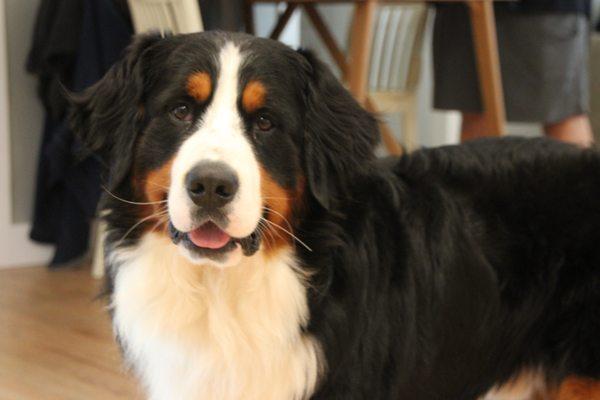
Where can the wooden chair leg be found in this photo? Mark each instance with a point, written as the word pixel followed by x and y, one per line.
pixel 488 64
pixel 360 48
pixel 387 136
pixel 283 20
pixel 389 141
pixel 409 132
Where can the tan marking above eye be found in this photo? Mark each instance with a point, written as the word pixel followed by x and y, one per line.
pixel 254 96
pixel 199 86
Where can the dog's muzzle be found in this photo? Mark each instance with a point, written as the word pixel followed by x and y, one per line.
pixel 249 244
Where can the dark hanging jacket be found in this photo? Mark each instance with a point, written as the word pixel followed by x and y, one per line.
pixel 75 42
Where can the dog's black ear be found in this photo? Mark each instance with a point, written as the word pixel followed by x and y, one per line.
pixel 106 117
pixel 340 135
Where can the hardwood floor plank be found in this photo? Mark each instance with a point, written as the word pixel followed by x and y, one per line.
pixel 56 340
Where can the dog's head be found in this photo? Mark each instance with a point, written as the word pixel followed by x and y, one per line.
pixel 223 139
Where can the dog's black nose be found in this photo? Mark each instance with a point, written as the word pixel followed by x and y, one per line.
pixel 211 184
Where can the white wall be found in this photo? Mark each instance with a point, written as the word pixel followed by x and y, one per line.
pixel 15 247
pixel 26 112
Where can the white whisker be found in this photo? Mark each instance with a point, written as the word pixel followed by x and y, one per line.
pixel 266 229
pixel 289 233
pixel 161 220
pixel 158 214
pixel 132 202
pixel 276 198
pixel 156 184
pixel 281 215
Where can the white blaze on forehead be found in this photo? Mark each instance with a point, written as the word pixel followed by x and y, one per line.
pixel 222 112
pixel 220 137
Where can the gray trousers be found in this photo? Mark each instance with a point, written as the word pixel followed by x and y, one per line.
pixel 543 60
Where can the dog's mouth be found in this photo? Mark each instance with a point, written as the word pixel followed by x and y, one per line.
pixel 210 241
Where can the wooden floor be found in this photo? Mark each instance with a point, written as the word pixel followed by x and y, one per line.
pixel 56 340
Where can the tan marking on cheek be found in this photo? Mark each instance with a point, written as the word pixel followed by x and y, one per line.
pixel 254 96
pixel 156 185
pixel 279 204
pixel 199 86
pixel 283 206
pixel 156 189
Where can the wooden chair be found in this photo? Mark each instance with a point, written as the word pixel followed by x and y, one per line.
pixel 395 65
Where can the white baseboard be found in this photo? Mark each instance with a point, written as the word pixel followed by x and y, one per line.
pixel 17 250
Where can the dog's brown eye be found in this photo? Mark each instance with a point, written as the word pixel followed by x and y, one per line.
pixel 263 123
pixel 182 112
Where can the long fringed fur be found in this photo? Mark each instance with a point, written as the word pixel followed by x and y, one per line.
pixel 454 269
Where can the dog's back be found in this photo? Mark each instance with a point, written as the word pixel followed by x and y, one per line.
pixel 505 234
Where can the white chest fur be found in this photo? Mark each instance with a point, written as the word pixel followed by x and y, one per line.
pixel 194 332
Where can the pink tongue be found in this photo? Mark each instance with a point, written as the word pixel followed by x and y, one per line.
pixel 209 236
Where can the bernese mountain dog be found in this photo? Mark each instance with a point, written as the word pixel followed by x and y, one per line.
pixel 258 250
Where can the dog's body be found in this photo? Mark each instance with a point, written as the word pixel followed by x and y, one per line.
pixel 313 270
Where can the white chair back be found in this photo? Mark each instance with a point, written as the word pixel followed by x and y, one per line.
pixel 396 50
pixel 174 16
